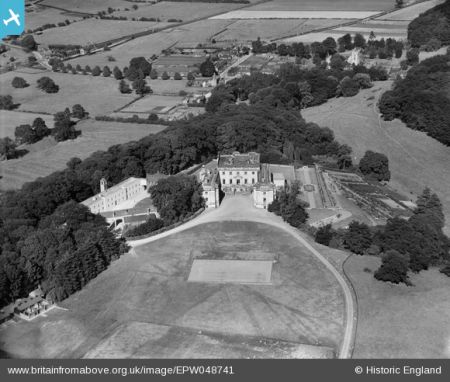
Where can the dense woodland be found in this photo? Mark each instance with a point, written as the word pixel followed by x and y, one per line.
pixel 431 27
pixel 294 87
pixel 421 99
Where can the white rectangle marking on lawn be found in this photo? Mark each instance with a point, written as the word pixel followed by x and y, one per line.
pixel 231 271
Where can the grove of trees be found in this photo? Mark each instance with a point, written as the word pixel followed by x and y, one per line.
pixel 405 245
pixel 421 100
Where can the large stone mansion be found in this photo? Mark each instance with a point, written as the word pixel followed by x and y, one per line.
pixel 243 173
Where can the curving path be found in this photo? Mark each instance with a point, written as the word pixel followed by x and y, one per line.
pixel 240 208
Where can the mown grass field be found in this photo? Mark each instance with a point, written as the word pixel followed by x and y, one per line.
pixel 324 5
pixel 98 95
pixel 46 156
pixel 185 11
pixel 91 6
pixel 91 31
pixel 397 321
pixel 416 161
pixel 142 306
pixel 44 15
pixel 9 120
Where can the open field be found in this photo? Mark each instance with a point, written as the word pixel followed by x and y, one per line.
pixel 91 6
pixel 410 13
pixel 46 156
pixel 165 10
pixel 143 306
pixel 253 14
pixel 324 5
pixel 397 321
pixel 416 161
pixel 43 15
pixel 98 95
pixel 93 30
pixel 195 33
pixel 9 120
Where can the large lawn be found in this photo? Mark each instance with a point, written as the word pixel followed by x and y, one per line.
pixel 46 156
pixel 416 161
pixel 98 95
pixel 142 306
pixel 397 321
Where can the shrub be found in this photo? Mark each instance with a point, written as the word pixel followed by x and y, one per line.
pixel 165 76
pixel 177 76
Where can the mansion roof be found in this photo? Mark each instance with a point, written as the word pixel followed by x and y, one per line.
pixel 238 160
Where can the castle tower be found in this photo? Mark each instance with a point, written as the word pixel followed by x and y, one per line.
pixel 103 185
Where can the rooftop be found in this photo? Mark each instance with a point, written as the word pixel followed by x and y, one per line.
pixel 238 160
pixel 112 190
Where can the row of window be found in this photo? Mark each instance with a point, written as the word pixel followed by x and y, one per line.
pixel 238 181
pixel 238 172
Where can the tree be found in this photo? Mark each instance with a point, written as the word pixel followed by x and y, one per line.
pixel 79 112
pixel 153 74
pixel 324 235
pixel 140 63
pixel 106 71
pixel 412 56
pixel 63 128
pixel 96 71
pixel 40 128
pixel 329 45
pixel 375 165
pixel 358 237
pixel 345 42
pixel 124 88
pixel 359 41
pixel 141 87
pixel 117 73
pixel 429 205
pixel 7 149
pixel 47 85
pixel 394 268
pixel 28 42
pixel 177 197
pixel 363 79
pixel 399 3
pixel 6 102
pixel 207 68
pixel 19 83
pixel 24 134
pixel 348 87
pixel 190 76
